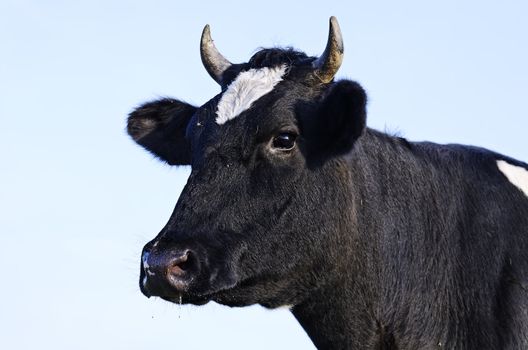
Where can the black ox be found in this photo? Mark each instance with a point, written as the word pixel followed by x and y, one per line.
pixel 372 241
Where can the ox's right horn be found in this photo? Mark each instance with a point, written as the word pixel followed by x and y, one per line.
pixel 327 65
pixel 212 59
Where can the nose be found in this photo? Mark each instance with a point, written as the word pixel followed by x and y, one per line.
pixel 168 272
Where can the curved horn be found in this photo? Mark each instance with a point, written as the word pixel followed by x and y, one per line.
pixel 213 61
pixel 327 65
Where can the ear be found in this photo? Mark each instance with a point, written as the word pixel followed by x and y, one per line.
pixel 338 121
pixel 159 126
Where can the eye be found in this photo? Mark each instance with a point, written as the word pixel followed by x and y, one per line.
pixel 285 141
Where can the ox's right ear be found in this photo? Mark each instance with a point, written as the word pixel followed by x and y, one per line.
pixel 159 126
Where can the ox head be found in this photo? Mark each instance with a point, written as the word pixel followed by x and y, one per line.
pixel 259 218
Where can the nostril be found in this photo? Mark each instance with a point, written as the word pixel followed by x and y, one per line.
pixel 180 264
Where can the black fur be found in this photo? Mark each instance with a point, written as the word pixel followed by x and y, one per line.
pixel 377 242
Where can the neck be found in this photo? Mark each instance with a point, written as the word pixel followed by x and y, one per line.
pixel 344 313
pixel 341 317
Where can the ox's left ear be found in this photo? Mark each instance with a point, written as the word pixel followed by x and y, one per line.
pixel 159 126
pixel 339 120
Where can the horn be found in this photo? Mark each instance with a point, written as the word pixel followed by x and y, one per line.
pixel 327 65
pixel 213 61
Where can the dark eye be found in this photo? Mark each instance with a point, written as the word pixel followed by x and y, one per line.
pixel 284 141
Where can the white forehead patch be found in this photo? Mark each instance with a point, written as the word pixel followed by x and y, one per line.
pixel 248 87
pixel 516 175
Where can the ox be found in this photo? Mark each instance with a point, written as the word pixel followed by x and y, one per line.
pixel 372 241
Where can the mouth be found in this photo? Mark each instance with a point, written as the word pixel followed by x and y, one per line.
pixel 184 298
pixel 226 296
pixel 193 298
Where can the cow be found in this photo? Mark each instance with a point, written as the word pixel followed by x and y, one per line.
pixel 372 241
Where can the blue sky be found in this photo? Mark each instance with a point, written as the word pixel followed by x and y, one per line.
pixel 78 199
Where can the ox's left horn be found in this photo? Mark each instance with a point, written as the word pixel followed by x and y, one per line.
pixel 212 59
pixel 327 65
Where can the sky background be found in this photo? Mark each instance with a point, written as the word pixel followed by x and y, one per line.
pixel 78 199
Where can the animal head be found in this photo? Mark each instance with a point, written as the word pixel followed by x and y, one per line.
pixel 259 218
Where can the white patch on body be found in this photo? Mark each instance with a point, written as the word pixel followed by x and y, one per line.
pixel 285 307
pixel 516 175
pixel 248 87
